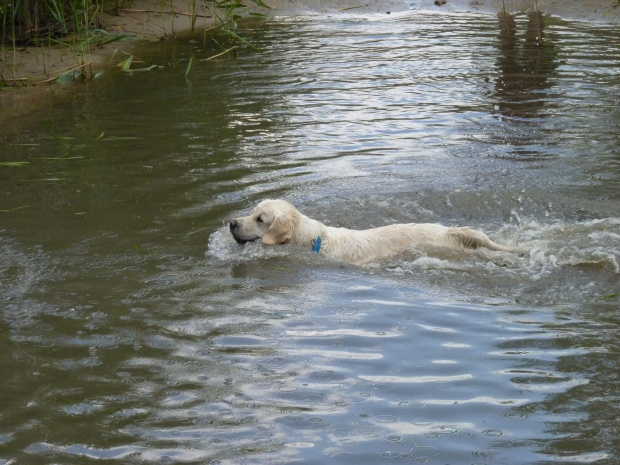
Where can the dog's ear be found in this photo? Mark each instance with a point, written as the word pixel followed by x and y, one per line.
pixel 281 229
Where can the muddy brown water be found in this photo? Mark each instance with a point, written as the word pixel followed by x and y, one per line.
pixel 134 330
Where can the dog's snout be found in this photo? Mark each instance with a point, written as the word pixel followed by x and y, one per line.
pixel 233 225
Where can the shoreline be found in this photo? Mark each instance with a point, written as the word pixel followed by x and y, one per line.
pixel 39 67
pixel 148 20
pixel 145 21
pixel 601 11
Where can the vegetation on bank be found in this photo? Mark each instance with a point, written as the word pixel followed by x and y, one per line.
pixel 79 25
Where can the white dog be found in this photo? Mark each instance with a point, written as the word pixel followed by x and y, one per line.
pixel 278 222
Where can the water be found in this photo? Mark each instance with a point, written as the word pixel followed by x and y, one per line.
pixel 134 330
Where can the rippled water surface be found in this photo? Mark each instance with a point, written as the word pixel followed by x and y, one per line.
pixel 134 330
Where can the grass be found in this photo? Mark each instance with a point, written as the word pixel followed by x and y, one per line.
pixel 74 24
pixel 77 26
pixel 607 297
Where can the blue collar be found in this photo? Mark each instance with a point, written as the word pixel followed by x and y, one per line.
pixel 316 245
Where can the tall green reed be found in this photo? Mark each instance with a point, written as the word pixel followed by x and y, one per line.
pixel 9 34
pixel 68 23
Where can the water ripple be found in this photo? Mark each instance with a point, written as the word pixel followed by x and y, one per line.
pixel 150 323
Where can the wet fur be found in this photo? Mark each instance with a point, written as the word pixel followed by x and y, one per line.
pixel 278 222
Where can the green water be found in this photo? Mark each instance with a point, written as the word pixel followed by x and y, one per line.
pixel 134 329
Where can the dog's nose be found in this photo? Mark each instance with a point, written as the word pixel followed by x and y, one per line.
pixel 233 225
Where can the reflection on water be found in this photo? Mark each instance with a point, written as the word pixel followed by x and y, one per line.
pixel 134 329
pixel 525 66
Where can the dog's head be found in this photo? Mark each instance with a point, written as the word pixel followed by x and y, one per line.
pixel 272 221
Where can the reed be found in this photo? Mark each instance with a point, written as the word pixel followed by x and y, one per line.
pixel 69 23
pixel 78 25
pixel 194 13
pixel 538 28
pixel 8 11
pixel 504 18
pixel 227 13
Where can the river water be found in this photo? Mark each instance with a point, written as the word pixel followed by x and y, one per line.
pixel 135 330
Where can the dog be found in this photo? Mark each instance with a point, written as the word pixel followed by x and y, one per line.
pixel 279 222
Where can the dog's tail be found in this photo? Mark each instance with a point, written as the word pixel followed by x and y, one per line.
pixel 472 239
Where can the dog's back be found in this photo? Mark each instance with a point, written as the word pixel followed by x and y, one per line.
pixel 362 246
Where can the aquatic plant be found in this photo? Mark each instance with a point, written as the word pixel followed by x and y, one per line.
pixel 607 297
pixel 125 65
pixel 228 12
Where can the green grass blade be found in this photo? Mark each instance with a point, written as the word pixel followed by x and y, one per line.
pixel 237 36
pixel 14 163
pixel 189 65
pixel 11 210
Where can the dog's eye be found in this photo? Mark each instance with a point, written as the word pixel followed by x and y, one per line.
pixel 259 219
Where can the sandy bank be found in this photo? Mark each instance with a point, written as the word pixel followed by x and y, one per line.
pixel 146 20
